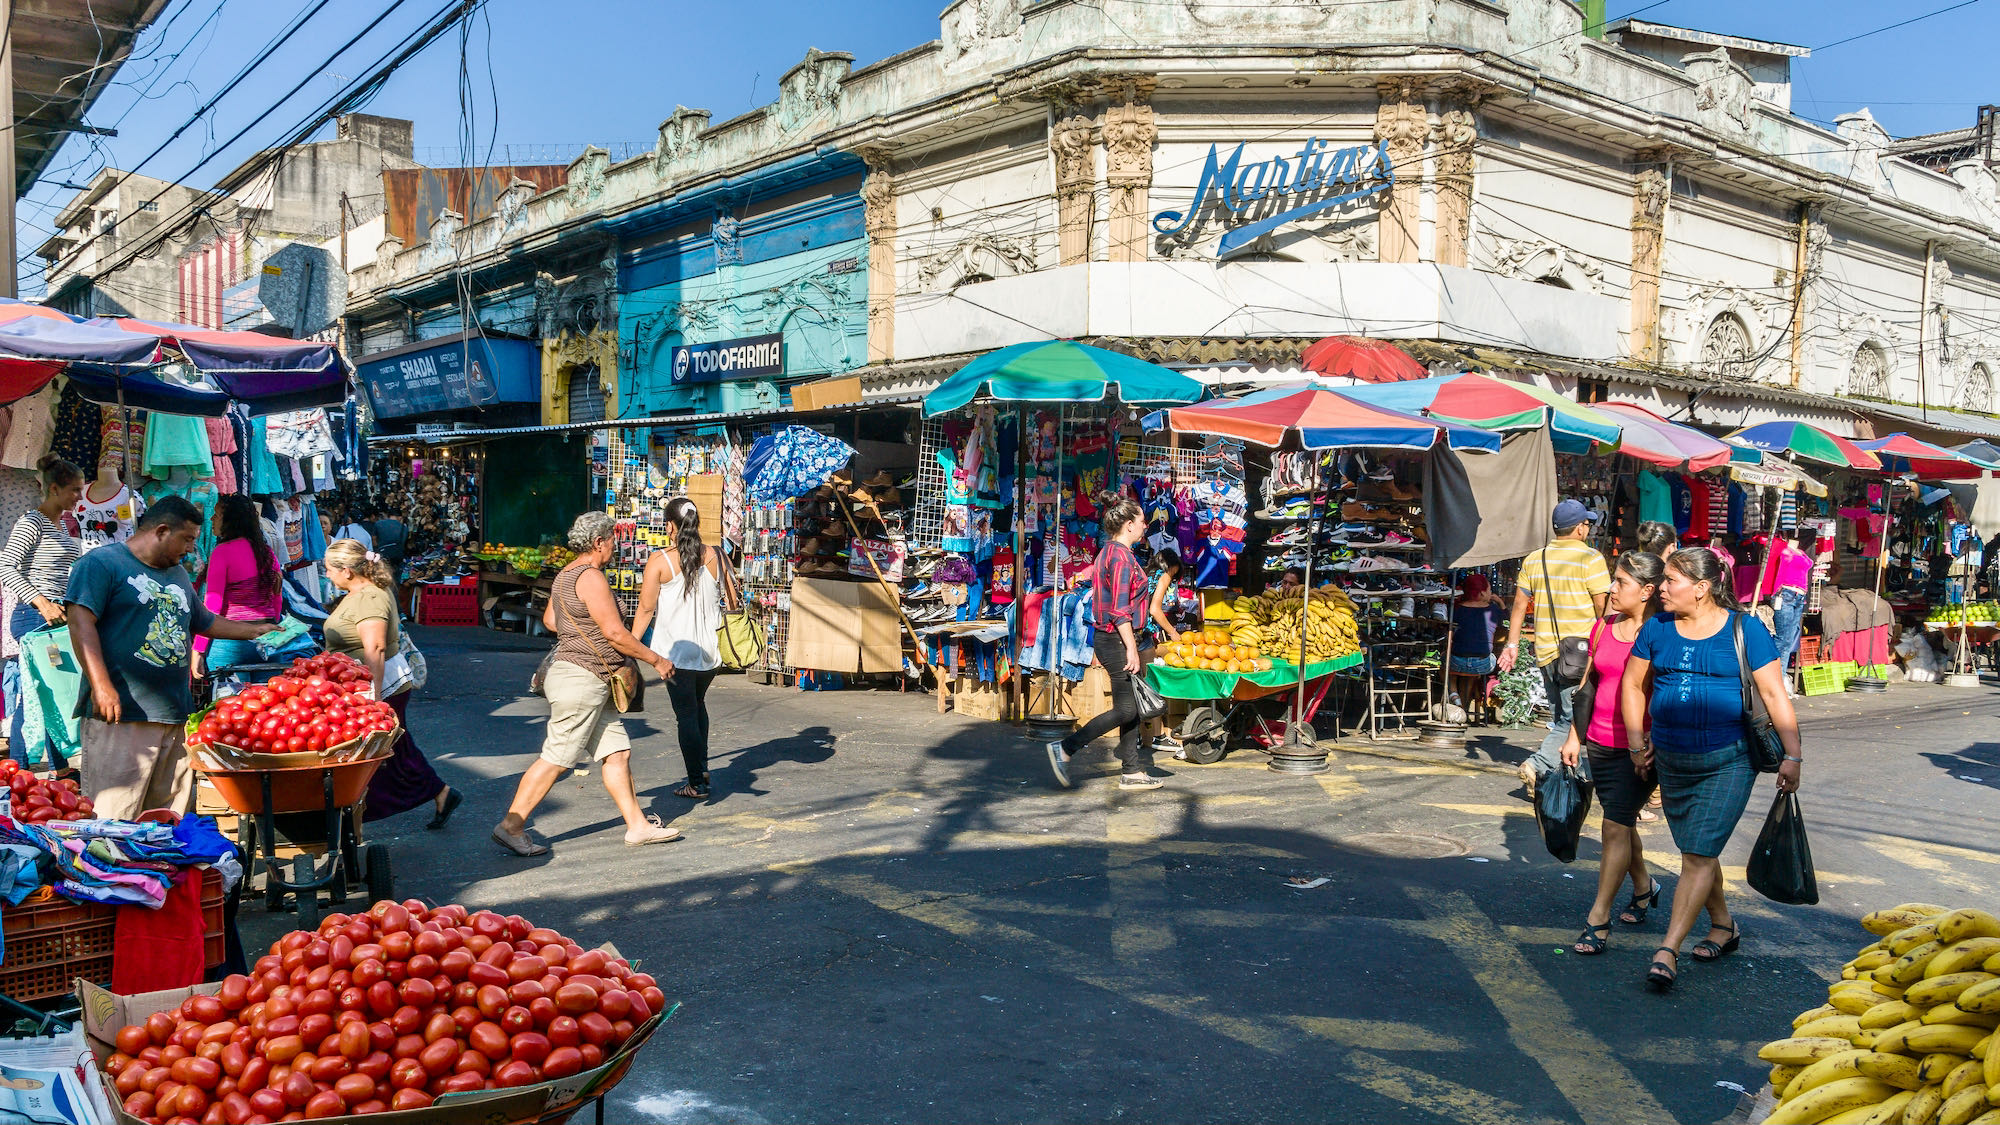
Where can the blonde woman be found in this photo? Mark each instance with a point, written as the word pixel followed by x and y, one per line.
pixel 365 626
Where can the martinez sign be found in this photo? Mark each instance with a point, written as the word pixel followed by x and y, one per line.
pixel 1312 180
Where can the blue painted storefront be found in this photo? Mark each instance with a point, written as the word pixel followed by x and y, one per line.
pixel 721 263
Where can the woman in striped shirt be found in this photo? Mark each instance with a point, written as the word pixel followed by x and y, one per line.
pixel 34 569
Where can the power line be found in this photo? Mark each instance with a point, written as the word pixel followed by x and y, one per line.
pixel 1899 23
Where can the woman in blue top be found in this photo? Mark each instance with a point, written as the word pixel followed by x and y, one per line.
pixel 1698 741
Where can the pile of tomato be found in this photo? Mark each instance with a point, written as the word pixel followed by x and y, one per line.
pixel 38 800
pixel 320 702
pixel 382 1011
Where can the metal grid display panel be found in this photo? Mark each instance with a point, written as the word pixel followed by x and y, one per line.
pixel 637 487
pixel 927 517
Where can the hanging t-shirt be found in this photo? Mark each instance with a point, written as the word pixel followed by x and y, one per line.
pixel 292 525
pixel 1655 503
pixel 112 520
pixel 1697 493
pixel 1683 503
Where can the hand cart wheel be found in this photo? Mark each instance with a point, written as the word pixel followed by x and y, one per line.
pixel 307 898
pixel 1204 735
pixel 381 882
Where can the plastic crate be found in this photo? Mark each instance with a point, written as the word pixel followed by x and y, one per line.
pixel 1824 679
pixel 52 941
pixel 448 603
pixel 1808 650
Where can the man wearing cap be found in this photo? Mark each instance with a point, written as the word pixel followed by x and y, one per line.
pixel 1566 583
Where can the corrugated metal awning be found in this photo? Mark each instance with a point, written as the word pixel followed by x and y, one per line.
pixel 1933 418
pixel 665 422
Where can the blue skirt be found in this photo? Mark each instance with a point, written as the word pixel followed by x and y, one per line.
pixel 1704 795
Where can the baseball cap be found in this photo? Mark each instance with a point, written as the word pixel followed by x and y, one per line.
pixel 1569 513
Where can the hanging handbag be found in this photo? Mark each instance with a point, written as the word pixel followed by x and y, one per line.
pixel 628 690
pixel 1572 653
pixel 1767 750
pixel 1151 704
pixel 1584 699
pixel 738 640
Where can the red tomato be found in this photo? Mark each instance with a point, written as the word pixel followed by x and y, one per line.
pixel 355 1088
pixel 408 1074
pixel 130 1039
pixel 474 1062
pixel 409 1099
pixel 325 1104
pixel 139 1104
pixel 438 1056
pixel 531 1046
pixel 375 1065
pixel 593 1056
pixel 489 1039
pixel 577 999
pixel 298 1090
pixel 544 1010
pixel 268 1103
pixel 419 992
pixel 562 1062
pixel 353 1041
pixel 513 1073
pixel 482 973
pixel 462 1083
pixel 562 1032
pixel 516 1020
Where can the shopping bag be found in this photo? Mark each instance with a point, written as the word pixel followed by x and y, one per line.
pixel 739 641
pixel 1562 803
pixel 1781 866
pixel 1151 705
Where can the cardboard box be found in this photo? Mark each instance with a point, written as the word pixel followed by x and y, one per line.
pixel 1090 696
pixel 979 700
pixel 839 626
pixel 104 1012
pixel 826 392
pixel 705 490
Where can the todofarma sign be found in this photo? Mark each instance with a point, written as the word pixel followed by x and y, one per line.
pixel 1314 179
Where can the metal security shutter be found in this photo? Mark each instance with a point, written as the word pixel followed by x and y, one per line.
pixel 586 396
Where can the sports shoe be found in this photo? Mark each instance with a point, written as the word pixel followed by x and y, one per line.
pixel 1366 537
pixel 1138 781
pixel 1058 762
pixel 1398 539
pixel 1164 745
pixel 1290 537
pixel 653 833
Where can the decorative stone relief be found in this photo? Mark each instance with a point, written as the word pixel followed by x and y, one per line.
pixel 679 134
pixel 510 210
pixel 728 243
pixel 812 88
pixel 1650 190
pixel 1403 124
pixel 581 305
pixel 878 210
pixel 1818 238
pixel 385 256
pixel 441 247
pixel 1725 349
pixel 1975 386
pixel 1981 189
pixel 586 179
pixel 573 354
pixel 1733 329
pixel 1130 129
pixel 1313 241
pixel 1072 143
pixel 813 313
pixel 1723 90
pixel 1541 260
pixel 1940 271
pixel 979 258
pixel 969 25
pixel 1869 139
pixel 1868 372
pixel 1457 132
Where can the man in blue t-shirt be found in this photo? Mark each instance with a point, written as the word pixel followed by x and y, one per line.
pixel 133 615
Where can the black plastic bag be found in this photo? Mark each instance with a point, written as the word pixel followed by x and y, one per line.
pixel 1781 866
pixel 1562 803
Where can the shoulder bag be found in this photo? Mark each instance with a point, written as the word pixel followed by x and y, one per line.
pixel 738 640
pixel 1767 750
pixel 1572 653
pixel 628 690
pixel 1585 697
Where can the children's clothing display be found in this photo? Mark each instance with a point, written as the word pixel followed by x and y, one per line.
pixel 110 520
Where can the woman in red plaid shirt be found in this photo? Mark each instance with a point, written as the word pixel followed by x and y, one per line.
pixel 1119 604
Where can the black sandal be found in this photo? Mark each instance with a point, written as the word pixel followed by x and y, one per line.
pixel 693 791
pixel 1590 943
pixel 1660 978
pixel 1634 913
pixel 1707 950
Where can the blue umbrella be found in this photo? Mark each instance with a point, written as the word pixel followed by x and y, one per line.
pixel 1061 371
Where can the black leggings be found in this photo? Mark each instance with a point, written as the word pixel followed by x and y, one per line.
pixel 689 692
pixel 1136 756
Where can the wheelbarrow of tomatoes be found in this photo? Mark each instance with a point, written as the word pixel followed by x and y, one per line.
pixel 296 754
pixel 424 1014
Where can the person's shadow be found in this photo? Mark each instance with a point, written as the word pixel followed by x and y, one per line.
pixel 736 773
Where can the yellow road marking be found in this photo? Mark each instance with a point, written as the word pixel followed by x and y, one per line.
pixel 1378 1035
pixel 1413 771
pixel 1339 784
pixel 1589 1075
pixel 1446 1099
pixel 1921 859
pixel 1483 810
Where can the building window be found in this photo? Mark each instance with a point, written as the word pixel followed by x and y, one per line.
pixel 1869 375
pixel 1978 391
pixel 1725 349
pixel 150 205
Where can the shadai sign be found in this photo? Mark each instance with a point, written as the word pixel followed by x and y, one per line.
pixel 1314 179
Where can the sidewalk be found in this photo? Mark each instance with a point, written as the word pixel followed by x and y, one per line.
pixel 1502 749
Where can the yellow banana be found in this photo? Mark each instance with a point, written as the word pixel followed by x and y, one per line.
pixel 1895 1040
pixel 1954 1038
pixel 1944 988
pixel 1781 1076
pixel 1891 1110
pixel 1923 1109
pixel 1964 1074
pixel 1822 1102
pixel 1873 959
pixel 1883 923
pixel 1828 1069
pixel 1888 1014
pixel 1981 997
pixel 1980 1049
pixel 1845 1027
pixel 1904 940
pixel 1963 956
pixel 1953 1014
pixel 1961 924
pixel 1812 1014
pixel 1990 1117
pixel 1909 968
pixel 1899 1071
pixel 1934 1067
pixel 1854 1116
pixel 1963 1106
pixel 1804 1051
pixel 1991 1075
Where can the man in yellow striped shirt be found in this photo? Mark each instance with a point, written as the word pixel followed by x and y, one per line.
pixel 1566 583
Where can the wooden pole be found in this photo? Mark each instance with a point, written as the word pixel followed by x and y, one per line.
pixel 895 598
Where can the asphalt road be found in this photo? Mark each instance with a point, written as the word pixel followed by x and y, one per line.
pixel 885 914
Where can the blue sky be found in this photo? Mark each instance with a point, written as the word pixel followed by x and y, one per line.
pixel 566 72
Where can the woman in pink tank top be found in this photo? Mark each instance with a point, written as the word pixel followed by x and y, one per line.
pixel 1598 737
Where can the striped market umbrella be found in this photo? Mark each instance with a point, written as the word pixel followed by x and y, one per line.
pixel 1901 453
pixel 1061 371
pixel 1322 419
pixel 1497 404
pixel 1670 445
pixel 1799 439
pixel 1980 452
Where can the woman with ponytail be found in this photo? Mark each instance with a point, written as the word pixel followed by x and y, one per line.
pixel 366 626
pixel 1118 610
pixel 1686 677
pixel 685 589
pixel 34 568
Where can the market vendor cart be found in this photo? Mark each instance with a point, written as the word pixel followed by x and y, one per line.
pixel 297 786
pixel 1242 708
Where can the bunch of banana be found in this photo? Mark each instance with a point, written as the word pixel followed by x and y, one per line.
pixel 1327 631
pixel 1906 1036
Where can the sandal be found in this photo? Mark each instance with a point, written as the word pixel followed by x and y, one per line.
pixel 1660 978
pixel 1634 913
pixel 1591 942
pixel 693 791
pixel 1708 950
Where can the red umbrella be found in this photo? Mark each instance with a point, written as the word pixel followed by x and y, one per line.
pixel 1371 361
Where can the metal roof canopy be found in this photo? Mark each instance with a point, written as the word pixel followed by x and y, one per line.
pixel 1935 418
pixel 65 54
pixel 666 422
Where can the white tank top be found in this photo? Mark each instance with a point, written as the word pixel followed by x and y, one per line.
pixel 684 631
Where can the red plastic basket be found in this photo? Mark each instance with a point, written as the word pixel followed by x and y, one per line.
pixel 448 604
pixel 52 941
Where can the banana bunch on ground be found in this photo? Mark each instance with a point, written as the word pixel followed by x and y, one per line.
pixel 1329 630
pixel 1906 1035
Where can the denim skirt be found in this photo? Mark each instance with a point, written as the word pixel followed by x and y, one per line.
pixel 1704 795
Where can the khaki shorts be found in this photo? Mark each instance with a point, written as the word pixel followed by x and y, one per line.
pixel 131 767
pixel 582 726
